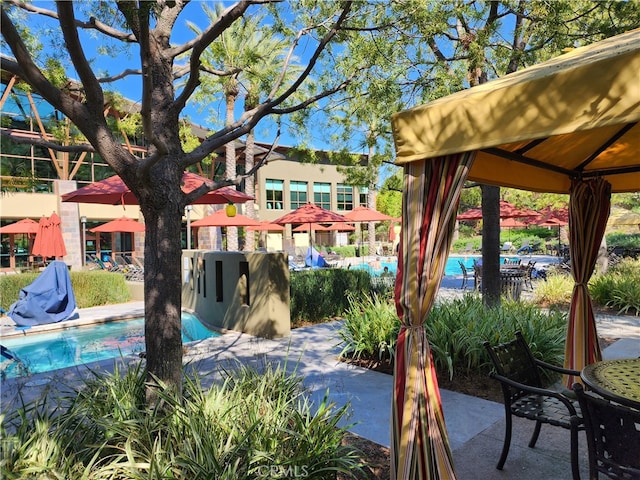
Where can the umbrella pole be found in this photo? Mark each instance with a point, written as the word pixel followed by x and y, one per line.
pixel 12 251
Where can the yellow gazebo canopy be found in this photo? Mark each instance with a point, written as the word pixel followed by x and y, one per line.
pixel 574 116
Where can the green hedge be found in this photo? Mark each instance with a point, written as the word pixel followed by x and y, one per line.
pixel 90 288
pixel 322 293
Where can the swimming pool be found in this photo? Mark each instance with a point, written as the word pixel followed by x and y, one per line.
pixel 44 352
pixel 451 268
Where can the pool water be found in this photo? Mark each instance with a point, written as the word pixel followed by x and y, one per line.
pixel 44 352
pixel 451 268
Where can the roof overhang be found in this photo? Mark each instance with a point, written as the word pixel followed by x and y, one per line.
pixel 574 116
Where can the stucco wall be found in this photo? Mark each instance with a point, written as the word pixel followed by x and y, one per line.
pixel 242 291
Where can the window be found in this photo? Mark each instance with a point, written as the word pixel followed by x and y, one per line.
pixel 364 196
pixel 274 190
pixel 298 192
pixel 345 197
pixel 322 195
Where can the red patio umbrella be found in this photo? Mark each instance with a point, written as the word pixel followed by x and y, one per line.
pixel 549 212
pixel 221 219
pixel 24 226
pixel 553 222
pixel 113 191
pixel 49 242
pixel 310 213
pixel 119 225
pixel 363 214
pixel 340 227
pixel 266 226
pixel 512 223
pixel 507 210
pixel 122 224
pixel 314 227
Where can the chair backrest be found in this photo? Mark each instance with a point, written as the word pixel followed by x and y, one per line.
pixel 613 436
pixel 515 361
pixel 477 270
pixel 463 268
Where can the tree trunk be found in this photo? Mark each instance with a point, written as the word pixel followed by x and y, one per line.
pixel 163 298
pixel 491 245
pixel 231 94
pixel 249 235
pixel 371 201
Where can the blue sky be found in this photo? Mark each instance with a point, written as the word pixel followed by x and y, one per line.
pixel 130 87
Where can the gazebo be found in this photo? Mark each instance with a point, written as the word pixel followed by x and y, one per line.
pixel 568 125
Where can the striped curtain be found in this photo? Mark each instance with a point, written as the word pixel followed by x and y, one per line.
pixel 589 207
pixel 420 445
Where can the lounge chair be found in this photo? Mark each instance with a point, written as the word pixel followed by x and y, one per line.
pixel 315 259
pixel 525 248
pixel 508 247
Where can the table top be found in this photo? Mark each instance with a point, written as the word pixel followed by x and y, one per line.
pixel 512 272
pixel 617 380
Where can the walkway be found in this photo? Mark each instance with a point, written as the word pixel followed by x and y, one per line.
pixel 475 426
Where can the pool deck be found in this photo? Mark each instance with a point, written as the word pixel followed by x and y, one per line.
pixel 475 426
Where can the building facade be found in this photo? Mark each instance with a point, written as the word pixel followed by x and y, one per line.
pixel 33 178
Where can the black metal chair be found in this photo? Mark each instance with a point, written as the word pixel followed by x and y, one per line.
pixel 613 437
pixel 477 276
pixel 528 277
pixel 465 276
pixel 519 374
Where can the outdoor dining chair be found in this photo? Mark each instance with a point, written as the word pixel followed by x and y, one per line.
pixel 465 276
pixel 520 375
pixel 613 437
pixel 528 277
pixel 477 275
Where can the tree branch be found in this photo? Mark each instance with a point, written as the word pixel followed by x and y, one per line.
pixel 29 71
pixel 92 24
pixel 93 91
pixel 200 43
pixel 207 187
pixel 119 76
pixel 18 136
pixel 314 58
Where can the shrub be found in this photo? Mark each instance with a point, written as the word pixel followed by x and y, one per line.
pixel 318 294
pixel 619 288
pixel 556 291
pixel 370 328
pixel 91 288
pixel 624 240
pixel 456 330
pixel 94 288
pixel 251 425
